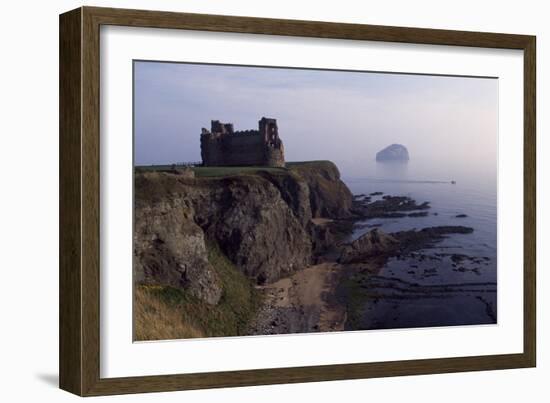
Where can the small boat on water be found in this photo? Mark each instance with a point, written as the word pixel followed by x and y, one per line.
pixel 453 182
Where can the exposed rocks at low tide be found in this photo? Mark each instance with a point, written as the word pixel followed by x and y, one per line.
pixel 377 243
pixel 395 284
pixel 373 243
pixel 389 207
pixel 414 240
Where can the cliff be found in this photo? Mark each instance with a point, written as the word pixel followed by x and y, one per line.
pixel 261 221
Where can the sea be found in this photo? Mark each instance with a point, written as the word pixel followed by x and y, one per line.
pixel 452 283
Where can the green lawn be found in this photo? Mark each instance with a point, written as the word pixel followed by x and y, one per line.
pixel 209 172
pixel 308 164
pixel 206 172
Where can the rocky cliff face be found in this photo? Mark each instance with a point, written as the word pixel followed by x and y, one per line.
pixel 329 197
pixel 260 221
pixel 170 249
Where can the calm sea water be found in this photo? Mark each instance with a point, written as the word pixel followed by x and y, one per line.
pixel 431 287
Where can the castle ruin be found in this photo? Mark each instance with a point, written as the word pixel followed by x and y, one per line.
pixel 222 146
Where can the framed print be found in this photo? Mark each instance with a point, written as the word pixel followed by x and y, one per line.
pixel 249 201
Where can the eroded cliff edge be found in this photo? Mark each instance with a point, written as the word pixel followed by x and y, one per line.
pixel 260 221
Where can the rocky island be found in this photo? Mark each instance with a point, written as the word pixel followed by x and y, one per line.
pixel 393 153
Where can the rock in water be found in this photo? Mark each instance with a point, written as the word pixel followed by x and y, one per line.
pixel 373 243
pixel 394 152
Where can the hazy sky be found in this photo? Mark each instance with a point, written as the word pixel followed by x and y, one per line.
pixel 346 117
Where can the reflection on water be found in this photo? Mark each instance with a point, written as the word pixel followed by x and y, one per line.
pixel 392 170
pixel 453 283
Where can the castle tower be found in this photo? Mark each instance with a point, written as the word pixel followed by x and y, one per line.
pixel 222 128
pixel 268 129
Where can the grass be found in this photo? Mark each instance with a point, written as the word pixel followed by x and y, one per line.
pixel 206 172
pixel 353 292
pixel 171 313
pixel 353 298
pixel 313 163
pixel 209 172
pixel 155 319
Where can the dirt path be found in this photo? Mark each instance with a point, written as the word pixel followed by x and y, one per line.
pixel 304 302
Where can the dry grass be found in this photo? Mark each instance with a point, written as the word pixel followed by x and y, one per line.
pixel 157 320
pixel 209 172
pixel 164 313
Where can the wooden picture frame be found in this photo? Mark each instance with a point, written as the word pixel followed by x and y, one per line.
pixel 79 201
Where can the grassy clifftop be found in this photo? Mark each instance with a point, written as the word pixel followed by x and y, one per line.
pixel 206 172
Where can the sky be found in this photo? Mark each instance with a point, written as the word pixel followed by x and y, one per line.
pixel 346 117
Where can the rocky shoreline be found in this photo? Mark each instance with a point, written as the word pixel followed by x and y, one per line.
pixel 288 231
pixel 284 310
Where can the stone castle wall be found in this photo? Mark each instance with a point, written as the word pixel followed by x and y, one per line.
pixel 275 157
pixel 224 147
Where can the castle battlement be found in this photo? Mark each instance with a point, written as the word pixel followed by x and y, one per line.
pixel 250 132
pixel 223 146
